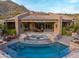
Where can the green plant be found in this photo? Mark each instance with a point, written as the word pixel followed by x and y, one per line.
pixel 11 31
pixel 23 27
pixel 75 28
pixel 67 29
pixel 64 31
pixel 7 30
pixel 0 26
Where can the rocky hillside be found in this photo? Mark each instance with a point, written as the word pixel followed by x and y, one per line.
pixel 9 9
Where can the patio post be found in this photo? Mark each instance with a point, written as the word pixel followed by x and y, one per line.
pixel 18 26
pixel 58 26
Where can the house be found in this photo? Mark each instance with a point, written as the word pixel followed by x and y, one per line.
pixel 39 22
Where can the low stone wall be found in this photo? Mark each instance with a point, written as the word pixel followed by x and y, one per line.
pixel 74 46
pixel 65 40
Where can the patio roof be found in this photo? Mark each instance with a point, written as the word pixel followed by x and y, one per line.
pixel 40 17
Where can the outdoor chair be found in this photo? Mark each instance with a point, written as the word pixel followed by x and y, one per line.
pixel 24 37
pixel 9 38
pixel 57 37
pixel 75 36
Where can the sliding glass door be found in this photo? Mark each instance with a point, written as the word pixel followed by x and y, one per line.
pixel 45 26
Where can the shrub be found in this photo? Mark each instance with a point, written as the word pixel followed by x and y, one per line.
pixel 64 31
pixel 0 26
pixel 75 28
pixel 11 31
pixel 23 27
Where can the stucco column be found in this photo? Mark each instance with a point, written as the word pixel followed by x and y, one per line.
pixel 58 26
pixel 18 26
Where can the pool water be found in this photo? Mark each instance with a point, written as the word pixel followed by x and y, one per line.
pixel 54 50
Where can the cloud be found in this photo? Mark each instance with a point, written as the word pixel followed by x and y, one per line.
pixel 73 1
pixel 63 6
pixel 70 9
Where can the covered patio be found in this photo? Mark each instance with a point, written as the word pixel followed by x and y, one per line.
pixel 40 22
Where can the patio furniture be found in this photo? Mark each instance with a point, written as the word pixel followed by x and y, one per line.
pixel 23 37
pixel 2 42
pixel 9 38
pixel 57 36
pixel 75 36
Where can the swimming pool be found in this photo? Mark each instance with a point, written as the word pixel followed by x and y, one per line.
pixel 54 50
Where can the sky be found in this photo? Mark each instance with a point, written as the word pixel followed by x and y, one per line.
pixel 55 6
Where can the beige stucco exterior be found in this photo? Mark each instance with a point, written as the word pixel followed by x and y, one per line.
pixel 33 17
